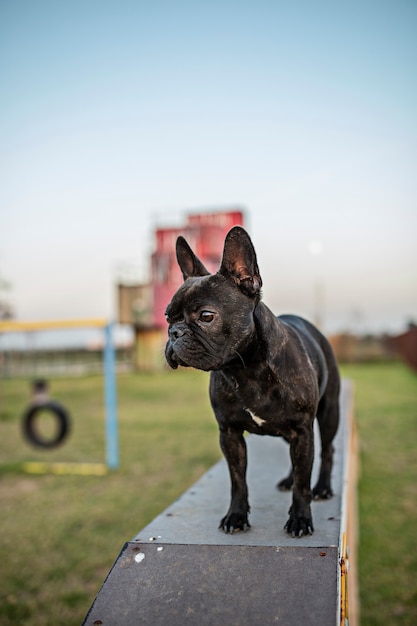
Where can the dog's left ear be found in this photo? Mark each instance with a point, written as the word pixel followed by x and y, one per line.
pixel 239 262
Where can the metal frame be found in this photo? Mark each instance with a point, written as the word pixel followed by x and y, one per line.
pixel 110 389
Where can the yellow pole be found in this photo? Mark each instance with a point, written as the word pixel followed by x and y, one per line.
pixel 10 326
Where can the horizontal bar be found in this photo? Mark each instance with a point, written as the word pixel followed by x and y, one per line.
pixel 78 469
pixel 10 326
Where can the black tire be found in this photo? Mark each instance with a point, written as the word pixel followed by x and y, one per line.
pixel 29 424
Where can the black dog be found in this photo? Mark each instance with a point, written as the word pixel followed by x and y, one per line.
pixel 269 375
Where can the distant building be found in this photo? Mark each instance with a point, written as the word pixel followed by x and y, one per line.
pixel 406 345
pixel 143 305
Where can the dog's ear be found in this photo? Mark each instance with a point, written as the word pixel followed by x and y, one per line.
pixel 189 264
pixel 239 262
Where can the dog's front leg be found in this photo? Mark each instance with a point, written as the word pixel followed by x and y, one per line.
pixel 233 446
pixel 300 520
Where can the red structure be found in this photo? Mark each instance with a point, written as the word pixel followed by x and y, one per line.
pixel 205 232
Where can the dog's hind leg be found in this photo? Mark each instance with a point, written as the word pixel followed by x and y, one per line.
pixel 328 419
pixel 285 484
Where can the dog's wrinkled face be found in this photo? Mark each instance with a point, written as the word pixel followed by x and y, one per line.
pixel 209 320
pixel 210 317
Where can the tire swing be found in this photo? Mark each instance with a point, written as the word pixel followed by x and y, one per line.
pixel 31 420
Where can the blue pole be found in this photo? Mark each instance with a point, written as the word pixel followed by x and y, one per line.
pixel 112 438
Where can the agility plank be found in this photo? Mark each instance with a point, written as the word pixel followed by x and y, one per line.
pixel 181 569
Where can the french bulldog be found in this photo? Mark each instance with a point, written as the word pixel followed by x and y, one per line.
pixel 268 375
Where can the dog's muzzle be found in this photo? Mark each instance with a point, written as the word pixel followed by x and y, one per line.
pixel 177 331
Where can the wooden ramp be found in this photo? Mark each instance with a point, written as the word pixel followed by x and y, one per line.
pixel 181 570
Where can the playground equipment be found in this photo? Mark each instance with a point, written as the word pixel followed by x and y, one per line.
pixel 111 421
pixel 40 404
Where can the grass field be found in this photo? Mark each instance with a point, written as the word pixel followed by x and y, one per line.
pixel 59 535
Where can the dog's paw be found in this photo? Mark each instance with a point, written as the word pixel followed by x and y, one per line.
pixel 285 484
pixel 299 526
pixel 233 522
pixel 322 492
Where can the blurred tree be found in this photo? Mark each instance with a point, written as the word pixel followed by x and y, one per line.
pixel 6 309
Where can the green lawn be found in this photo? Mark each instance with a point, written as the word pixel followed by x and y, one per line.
pixel 59 535
pixel 386 413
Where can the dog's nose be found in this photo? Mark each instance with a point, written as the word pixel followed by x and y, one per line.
pixel 176 332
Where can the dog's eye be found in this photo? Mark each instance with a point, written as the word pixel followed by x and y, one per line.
pixel 206 317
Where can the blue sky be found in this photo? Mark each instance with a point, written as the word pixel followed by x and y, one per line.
pixel 115 115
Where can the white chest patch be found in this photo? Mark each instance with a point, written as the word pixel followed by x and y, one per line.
pixel 258 420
